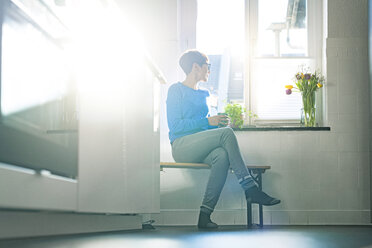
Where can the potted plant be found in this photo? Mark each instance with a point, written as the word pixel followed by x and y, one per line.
pixel 236 114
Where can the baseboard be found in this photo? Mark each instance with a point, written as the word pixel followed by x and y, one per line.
pixel 169 217
pixel 15 224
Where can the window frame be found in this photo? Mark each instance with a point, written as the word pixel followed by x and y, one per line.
pixel 315 45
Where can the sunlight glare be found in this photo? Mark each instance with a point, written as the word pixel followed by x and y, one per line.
pixel 114 242
pixel 108 51
pixel 220 26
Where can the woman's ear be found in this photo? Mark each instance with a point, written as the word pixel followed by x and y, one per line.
pixel 195 67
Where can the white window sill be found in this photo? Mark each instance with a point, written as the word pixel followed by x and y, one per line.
pixel 282 128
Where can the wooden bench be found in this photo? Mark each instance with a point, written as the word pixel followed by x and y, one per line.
pixel 255 171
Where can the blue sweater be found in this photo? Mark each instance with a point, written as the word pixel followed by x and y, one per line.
pixel 187 111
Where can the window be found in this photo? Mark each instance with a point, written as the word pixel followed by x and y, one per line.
pixel 255 48
pixel 220 34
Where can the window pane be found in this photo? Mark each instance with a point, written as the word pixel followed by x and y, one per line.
pixel 269 76
pixel 282 28
pixel 220 34
pixel 281 32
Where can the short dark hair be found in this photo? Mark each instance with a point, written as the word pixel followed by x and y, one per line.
pixel 190 57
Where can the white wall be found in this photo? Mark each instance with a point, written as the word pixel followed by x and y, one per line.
pixel 322 177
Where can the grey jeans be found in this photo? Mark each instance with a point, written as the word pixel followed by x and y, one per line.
pixel 218 148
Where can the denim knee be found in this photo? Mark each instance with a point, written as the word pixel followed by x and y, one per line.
pixel 220 157
pixel 228 130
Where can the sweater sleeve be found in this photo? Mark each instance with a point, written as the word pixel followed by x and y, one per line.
pixel 176 122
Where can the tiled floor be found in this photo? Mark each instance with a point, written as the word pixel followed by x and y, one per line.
pixel 226 237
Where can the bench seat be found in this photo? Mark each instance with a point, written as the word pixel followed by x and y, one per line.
pixel 205 166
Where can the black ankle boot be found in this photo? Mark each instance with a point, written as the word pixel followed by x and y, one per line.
pixel 255 195
pixel 205 221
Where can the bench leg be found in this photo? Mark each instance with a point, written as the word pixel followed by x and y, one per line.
pixel 260 210
pixel 260 215
pixel 258 180
pixel 249 215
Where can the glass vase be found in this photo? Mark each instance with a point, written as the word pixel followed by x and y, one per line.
pixel 308 101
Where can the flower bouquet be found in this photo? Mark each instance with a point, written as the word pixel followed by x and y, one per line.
pixel 307 83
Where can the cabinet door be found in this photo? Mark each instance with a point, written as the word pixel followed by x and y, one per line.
pixel 142 145
pixel 101 168
pixel 119 148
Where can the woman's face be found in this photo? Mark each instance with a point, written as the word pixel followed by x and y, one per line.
pixel 204 72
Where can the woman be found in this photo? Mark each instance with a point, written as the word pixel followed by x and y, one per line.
pixel 196 137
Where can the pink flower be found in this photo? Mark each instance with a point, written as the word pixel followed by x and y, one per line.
pixel 288 91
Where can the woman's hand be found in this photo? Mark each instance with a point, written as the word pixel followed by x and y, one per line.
pixel 218 120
